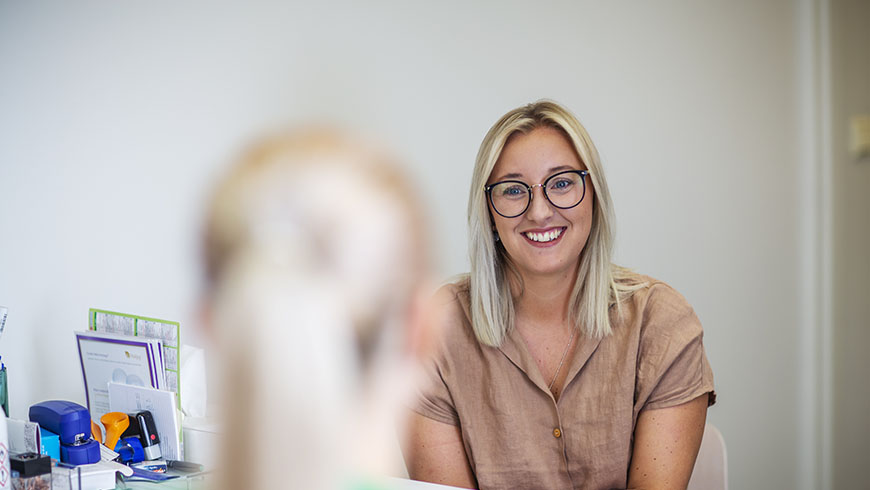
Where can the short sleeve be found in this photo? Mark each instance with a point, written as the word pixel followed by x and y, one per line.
pixel 672 365
pixel 433 398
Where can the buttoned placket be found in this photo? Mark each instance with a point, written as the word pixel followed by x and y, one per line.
pixel 514 348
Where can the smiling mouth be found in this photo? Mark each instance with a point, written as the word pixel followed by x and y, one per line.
pixel 545 236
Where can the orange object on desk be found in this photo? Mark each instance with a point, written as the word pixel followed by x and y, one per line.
pixel 96 432
pixel 116 423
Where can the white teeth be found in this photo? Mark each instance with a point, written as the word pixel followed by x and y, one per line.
pixel 546 236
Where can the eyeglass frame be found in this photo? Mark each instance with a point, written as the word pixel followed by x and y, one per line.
pixel 530 190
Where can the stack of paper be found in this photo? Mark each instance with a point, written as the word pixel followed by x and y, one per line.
pixel 161 404
pixel 168 332
pixel 129 364
pixel 122 359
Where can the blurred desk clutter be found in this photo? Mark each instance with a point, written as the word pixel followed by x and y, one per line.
pixel 137 430
pixel 132 430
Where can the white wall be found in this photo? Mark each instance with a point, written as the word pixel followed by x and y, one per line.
pixel 115 118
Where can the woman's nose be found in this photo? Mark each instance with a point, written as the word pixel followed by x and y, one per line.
pixel 540 208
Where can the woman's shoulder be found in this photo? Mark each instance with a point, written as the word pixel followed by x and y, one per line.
pixel 641 289
pixel 450 313
pixel 660 309
pixel 454 290
pixel 451 300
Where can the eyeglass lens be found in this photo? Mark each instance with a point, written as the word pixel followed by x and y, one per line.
pixel 564 190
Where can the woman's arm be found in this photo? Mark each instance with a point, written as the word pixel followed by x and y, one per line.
pixel 666 442
pixel 435 453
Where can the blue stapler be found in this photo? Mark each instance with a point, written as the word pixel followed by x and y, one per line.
pixel 72 423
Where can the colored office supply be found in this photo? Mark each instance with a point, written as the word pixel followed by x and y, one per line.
pixel 115 423
pixel 69 420
pixel 3 312
pixel 72 423
pixel 142 426
pixel 151 475
pixel 158 466
pixel 49 443
pixel 82 453
pixel 4 389
pixel 130 450
pixel 161 404
pixel 96 432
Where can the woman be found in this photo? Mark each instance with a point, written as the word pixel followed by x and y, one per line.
pixel 557 369
pixel 314 259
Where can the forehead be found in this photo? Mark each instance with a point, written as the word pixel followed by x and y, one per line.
pixel 535 155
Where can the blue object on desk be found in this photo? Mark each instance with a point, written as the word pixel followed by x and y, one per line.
pixel 71 421
pixel 130 450
pixel 84 453
pixel 140 474
pixel 49 443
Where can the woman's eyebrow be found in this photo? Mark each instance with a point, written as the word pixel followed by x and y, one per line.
pixel 550 172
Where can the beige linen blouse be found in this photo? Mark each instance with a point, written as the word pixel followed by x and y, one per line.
pixel 516 435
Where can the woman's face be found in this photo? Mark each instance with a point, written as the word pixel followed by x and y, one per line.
pixel 544 240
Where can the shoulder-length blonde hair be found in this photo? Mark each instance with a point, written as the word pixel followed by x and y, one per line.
pixel 599 284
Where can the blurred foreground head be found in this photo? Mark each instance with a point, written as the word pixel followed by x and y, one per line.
pixel 314 265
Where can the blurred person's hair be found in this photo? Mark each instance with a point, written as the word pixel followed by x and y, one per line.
pixel 599 284
pixel 313 257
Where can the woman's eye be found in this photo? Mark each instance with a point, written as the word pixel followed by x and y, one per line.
pixel 562 184
pixel 513 191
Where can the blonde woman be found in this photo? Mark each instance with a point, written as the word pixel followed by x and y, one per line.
pixel 314 259
pixel 557 369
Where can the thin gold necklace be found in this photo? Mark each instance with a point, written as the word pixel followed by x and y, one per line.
pixel 562 361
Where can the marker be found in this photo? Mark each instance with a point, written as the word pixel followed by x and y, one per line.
pixel 183 465
pixel 3 312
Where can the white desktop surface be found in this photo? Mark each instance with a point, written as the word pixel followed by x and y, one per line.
pixel 405 484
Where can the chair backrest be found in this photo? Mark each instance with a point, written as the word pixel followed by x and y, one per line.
pixel 711 466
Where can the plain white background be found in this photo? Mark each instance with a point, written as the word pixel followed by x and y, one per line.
pixel 117 117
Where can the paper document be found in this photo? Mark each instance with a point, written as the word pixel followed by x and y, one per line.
pixel 161 403
pixel 116 358
pixel 23 436
pixel 139 326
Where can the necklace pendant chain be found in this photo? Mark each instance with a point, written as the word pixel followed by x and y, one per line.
pixel 562 361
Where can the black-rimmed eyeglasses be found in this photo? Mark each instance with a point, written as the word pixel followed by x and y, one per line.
pixel 511 198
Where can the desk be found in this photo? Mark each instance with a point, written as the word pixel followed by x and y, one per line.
pixel 405 484
pixel 202 482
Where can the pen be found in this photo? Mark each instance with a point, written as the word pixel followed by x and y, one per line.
pixel 3 312
pixel 183 465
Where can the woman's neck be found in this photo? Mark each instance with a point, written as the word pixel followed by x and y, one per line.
pixel 544 299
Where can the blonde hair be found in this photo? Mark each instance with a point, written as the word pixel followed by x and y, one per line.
pixel 313 250
pixel 599 284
